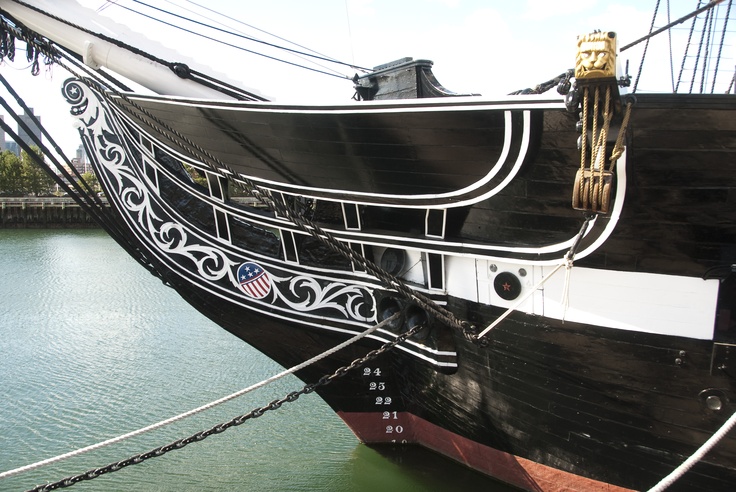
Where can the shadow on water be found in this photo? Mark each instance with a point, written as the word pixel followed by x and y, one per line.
pixel 414 468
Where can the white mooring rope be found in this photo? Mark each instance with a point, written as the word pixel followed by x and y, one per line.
pixel 195 411
pixel 696 456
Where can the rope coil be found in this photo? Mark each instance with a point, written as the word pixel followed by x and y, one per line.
pixel 594 180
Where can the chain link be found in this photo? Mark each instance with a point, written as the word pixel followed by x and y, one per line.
pixel 222 427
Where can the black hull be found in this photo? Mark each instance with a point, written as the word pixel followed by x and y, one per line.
pixel 577 399
pixel 597 397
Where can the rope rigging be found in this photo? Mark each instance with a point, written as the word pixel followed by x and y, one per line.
pixel 265 196
pixel 208 406
pixel 238 35
pixel 702 44
pixel 231 45
pixel 80 192
pixel 257 191
pixel 646 46
pixel 706 61
pixel 219 428
pixel 282 208
pixel 720 46
pixel 305 225
pixel 178 68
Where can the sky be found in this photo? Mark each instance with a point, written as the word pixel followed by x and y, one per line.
pixel 485 47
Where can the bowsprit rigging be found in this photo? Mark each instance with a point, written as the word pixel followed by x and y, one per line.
pixel 302 53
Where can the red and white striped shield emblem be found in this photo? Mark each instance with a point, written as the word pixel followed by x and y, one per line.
pixel 254 280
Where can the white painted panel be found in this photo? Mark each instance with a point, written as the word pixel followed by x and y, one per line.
pixel 460 278
pixel 650 303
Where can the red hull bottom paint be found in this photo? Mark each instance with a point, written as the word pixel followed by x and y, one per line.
pixel 401 427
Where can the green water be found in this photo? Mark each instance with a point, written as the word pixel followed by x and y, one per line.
pixel 92 347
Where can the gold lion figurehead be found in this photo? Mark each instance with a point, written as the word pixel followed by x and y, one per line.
pixel 596 56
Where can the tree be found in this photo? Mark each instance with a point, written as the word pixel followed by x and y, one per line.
pixel 22 175
pixel 11 174
pixel 35 180
pixel 91 180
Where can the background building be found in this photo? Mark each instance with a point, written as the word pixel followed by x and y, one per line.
pixel 80 162
pixel 27 118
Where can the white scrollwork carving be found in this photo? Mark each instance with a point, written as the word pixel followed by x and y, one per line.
pixel 132 195
pixel 307 294
pixel 299 293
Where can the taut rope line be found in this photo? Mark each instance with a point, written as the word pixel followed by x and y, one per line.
pixel 696 456
pixel 197 410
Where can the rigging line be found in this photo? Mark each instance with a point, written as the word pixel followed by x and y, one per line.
pixel 698 455
pixel 83 197
pixel 708 49
pixel 34 119
pixel 700 50
pixel 350 30
pixel 202 408
pixel 243 36
pixel 710 5
pixel 250 26
pixel 105 5
pixel 669 36
pixel 253 27
pixel 99 213
pixel 25 147
pixel 49 54
pixel 646 46
pixel 232 45
pixel 106 75
pixel 93 207
pixel 128 47
pixel 720 47
pixel 567 263
pixel 264 195
pixel 222 427
pixel 687 50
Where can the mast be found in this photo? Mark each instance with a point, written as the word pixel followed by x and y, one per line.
pixel 97 52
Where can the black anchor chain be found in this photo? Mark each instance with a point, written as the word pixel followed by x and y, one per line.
pixel 219 428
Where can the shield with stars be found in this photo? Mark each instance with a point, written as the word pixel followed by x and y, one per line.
pixel 254 280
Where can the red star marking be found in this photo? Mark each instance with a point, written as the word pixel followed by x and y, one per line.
pixel 507 287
